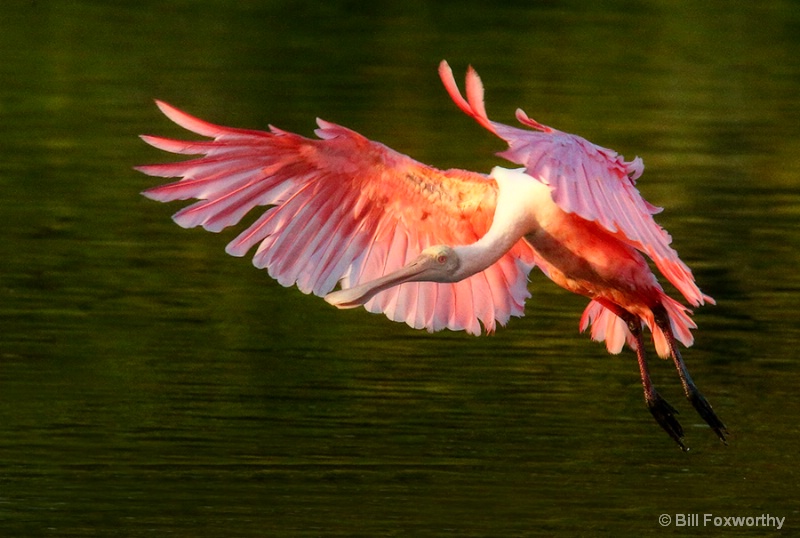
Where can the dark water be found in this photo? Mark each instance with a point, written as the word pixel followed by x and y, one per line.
pixel 151 385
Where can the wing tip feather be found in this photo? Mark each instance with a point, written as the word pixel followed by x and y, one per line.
pixel 474 105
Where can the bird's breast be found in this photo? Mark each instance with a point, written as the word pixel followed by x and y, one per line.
pixel 581 257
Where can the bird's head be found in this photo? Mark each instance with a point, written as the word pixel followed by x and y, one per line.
pixel 439 263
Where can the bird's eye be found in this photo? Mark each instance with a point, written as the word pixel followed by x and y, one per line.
pixel 441 259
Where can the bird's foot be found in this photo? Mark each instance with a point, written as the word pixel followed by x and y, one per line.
pixel 664 414
pixel 707 413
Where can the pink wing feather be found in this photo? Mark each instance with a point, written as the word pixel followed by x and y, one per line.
pixel 343 208
pixel 591 181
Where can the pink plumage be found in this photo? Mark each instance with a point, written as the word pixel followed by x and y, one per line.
pixel 444 248
pixel 343 208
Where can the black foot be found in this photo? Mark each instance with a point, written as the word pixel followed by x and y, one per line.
pixel 704 410
pixel 664 414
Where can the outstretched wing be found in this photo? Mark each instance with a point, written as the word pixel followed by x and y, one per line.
pixel 591 181
pixel 343 208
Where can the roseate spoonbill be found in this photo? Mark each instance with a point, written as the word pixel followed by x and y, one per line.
pixel 446 248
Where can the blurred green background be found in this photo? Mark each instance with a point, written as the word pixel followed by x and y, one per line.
pixel 152 385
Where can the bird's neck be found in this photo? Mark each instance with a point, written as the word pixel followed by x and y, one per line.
pixel 520 200
pixel 480 255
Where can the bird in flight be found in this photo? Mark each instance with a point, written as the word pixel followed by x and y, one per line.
pixel 446 248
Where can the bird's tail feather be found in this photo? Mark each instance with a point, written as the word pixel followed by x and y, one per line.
pixel 608 327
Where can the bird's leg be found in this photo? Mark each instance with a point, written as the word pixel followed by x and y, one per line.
pixel 699 401
pixel 661 410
